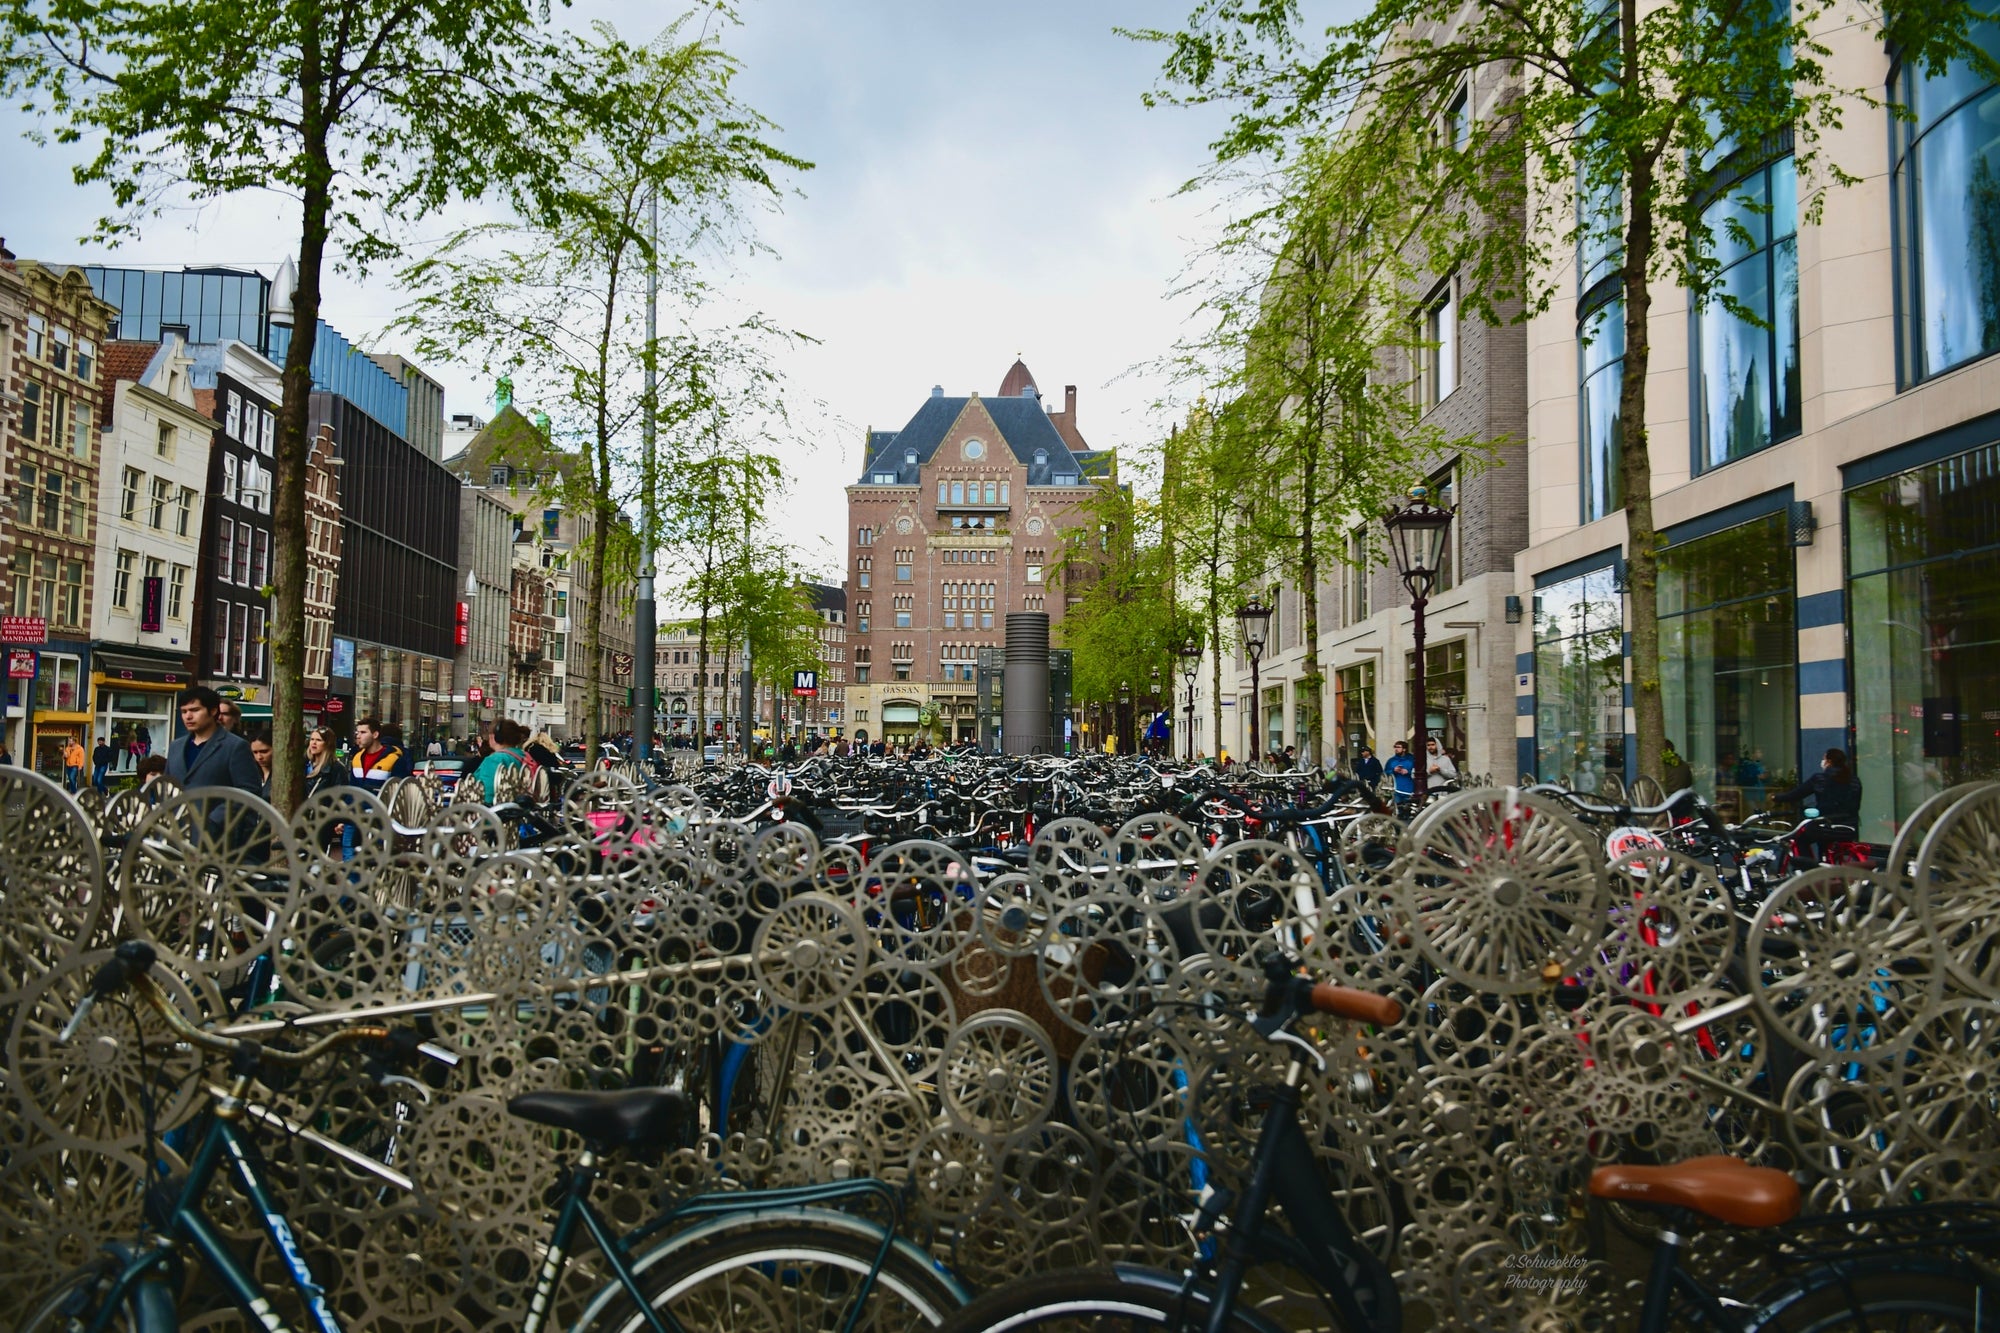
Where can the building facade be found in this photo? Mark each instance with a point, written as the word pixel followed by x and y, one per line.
pixel 53 463
pixel 240 390
pixel 323 548
pixel 19 687
pixel 486 545
pixel 150 511
pixel 1827 479
pixel 825 713
pixel 955 521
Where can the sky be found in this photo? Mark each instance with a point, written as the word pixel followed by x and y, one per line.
pixel 987 184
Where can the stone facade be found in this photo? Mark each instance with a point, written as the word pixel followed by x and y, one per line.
pixel 955 521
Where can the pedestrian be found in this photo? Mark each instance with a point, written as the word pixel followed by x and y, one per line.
pixel 406 764
pixel 6 755
pixel 150 770
pixel 1402 770
pixel 435 750
pixel 232 717
pixel 375 760
pixel 542 748
pixel 209 755
pixel 260 750
pixel 73 758
pixel 1291 758
pixel 1367 768
pixel 101 760
pixel 323 766
pixel 1832 801
pixel 1443 772
pixel 1675 772
pixel 143 739
pixel 508 737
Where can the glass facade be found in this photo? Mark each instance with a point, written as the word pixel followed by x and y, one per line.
pixel 1729 661
pixel 1444 689
pixel 1354 709
pixel 1601 358
pixel 1947 178
pixel 1580 679
pixel 1748 386
pixel 1923 564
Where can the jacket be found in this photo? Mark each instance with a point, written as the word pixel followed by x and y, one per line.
pixel 370 771
pixel 1369 770
pixel 331 774
pixel 1838 802
pixel 1403 768
pixel 225 761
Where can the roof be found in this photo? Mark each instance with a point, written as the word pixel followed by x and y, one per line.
pixel 1021 423
pixel 1019 377
pixel 122 359
pixel 512 439
pixel 1098 462
pixel 827 596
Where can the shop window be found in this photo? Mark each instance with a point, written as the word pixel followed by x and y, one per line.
pixel 1748 357
pixel 1444 692
pixel 1946 163
pixel 1728 662
pixel 1923 601
pixel 1580 680
pixel 1601 358
pixel 59 683
pixel 1354 709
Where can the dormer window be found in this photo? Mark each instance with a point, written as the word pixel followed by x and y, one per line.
pixel 910 457
pixel 1041 458
pixel 885 479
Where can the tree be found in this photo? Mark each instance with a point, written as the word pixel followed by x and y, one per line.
pixel 709 518
pixel 1206 466
pixel 362 110
pixel 1621 128
pixel 563 303
pixel 1121 625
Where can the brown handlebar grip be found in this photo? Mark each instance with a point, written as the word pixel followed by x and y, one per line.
pixel 1361 1005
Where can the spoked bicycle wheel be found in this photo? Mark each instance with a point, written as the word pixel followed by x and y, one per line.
pixel 792 1271
pixel 1092 1301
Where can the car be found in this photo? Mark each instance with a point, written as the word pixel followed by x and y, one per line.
pixel 447 771
pixel 711 752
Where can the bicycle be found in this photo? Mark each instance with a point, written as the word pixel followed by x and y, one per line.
pixel 1928 1271
pixel 744 1254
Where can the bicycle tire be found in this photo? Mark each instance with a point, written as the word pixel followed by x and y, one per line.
pixel 61 1311
pixel 753 1273
pixel 1884 1298
pixel 1083 1300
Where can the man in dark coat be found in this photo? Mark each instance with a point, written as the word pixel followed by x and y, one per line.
pixel 208 756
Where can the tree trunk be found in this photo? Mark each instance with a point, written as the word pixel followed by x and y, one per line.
pixel 1309 683
pixel 286 632
pixel 1636 474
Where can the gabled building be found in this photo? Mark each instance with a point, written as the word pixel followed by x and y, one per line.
pixel 955 521
pixel 151 504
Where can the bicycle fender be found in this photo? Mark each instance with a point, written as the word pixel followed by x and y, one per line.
pixel 1152 1279
pixel 1773 1305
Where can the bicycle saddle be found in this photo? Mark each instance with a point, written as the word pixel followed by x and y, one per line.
pixel 1727 1189
pixel 626 1118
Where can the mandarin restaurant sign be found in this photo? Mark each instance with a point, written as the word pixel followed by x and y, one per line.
pixel 24 629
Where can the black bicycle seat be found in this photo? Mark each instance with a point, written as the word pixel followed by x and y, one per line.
pixel 627 1118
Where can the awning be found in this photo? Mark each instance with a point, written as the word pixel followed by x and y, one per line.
pixel 141 667
pixel 900 712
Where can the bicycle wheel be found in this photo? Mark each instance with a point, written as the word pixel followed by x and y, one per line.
pixel 1908 1302
pixel 761 1273
pixel 1091 1301
pixel 77 1297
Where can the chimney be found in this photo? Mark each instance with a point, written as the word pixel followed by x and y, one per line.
pixel 937 390
pixel 6 255
pixel 1069 402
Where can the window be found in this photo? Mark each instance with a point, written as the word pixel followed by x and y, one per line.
pixel 230 491
pixel 1601 359
pixel 863 536
pixel 958 493
pixel 232 417
pixel 270 433
pixel 558 647
pixel 60 683
pixel 38 337
pixel 121 579
pixel 1003 492
pixel 256 663
pixel 219 653
pixel 1354 709
pixel 1357 576
pixel 1444 494
pixel 260 559
pixel 1580 680
pixel 496 476
pixel 239 630
pixel 128 499
pixel 243 538
pixel 31 412
pixel 69 597
pixel 551 522
pixel 562 604
pixel 177 592
pixel 1748 387
pixel 59 348
pixel 24 496
pixel 902 671
pixel 86 358
pixel 1457 127
pixel 184 512
pixel 76 517
pixel 861 674
pixel 1437 352
pixel 1946 160
pixel 164 446
pixel 225 552
pixel 863 576
pixel 162 492
pixel 52 493
pixel 884 479
pixel 986 620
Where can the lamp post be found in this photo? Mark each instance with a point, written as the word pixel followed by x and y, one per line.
pixel 1417 533
pixel 1158 700
pixel 1124 712
pixel 1254 618
pixel 1189 653
pixel 471 676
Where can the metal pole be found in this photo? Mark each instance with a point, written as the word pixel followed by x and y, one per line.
pixel 1422 776
pixel 645 620
pixel 1256 707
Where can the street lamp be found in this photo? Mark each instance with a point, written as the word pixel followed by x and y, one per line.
pixel 1417 534
pixel 1124 711
pixel 1189 653
pixel 1156 697
pixel 1254 618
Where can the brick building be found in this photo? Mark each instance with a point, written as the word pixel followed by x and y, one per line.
pixel 323 550
pixel 51 456
pixel 826 712
pixel 954 522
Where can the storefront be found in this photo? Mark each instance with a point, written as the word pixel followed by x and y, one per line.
pixel 1729 661
pixel 59 706
pixel 1580 675
pixel 1444 693
pixel 403 688
pixel 900 720
pixel 137 702
pixel 1354 710
pixel 1923 594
